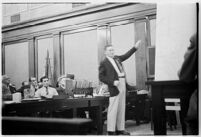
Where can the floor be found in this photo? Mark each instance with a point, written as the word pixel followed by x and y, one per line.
pixel 144 129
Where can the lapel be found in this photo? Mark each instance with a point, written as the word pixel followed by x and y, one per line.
pixel 117 59
pixel 109 64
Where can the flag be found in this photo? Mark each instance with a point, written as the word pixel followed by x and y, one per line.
pixel 48 72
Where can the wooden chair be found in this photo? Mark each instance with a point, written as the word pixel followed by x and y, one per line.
pixel 172 105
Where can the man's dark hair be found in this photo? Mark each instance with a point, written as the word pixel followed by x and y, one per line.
pixel 109 45
pixel 44 77
pixel 23 83
pixel 31 78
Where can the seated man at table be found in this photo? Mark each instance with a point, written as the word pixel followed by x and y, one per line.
pixel 33 83
pixel 45 91
pixel 6 93
pixel 28 89
pixel 24 89
pixel 7 88
pixel 61 85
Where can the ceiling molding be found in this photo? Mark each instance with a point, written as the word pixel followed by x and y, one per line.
pixel 73 13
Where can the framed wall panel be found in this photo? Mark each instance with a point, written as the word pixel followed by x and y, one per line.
pixel 16 62
pixel 81 55
pixel 123 39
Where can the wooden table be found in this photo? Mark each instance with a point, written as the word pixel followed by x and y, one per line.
pixel 52 105
pixel 96 103
pixel 168 89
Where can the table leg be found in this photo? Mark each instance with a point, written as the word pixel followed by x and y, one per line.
pixel 99 120
pixel 158 111
pixel 74 112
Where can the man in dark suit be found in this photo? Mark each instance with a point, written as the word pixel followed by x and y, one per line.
pixel 111 72
pixel 189 74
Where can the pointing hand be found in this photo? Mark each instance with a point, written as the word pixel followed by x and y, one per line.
pixel 137 44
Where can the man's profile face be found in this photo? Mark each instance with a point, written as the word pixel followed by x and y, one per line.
pixel 62 83
pixel 109 51
pixel 45 82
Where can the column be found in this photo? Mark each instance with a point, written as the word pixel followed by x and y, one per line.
pixel 103 34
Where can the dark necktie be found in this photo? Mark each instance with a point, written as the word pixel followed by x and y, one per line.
pixel 119 65
pixel 47 91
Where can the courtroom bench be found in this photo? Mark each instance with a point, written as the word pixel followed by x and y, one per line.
pixel 44 126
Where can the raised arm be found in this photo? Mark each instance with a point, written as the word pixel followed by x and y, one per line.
pixel 130 52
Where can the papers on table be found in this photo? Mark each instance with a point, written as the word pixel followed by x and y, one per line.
pixel 140 92
pixel 83 84
pixel 79 95
pixel 8 102
pixel 29 99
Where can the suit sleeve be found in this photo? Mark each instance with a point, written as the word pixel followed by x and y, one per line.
pixel 37 94
pixel 189 67
pixel 102 75
pixel 127 54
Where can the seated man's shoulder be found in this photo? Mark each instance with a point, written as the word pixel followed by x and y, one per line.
pixel 60 89
pixel 52 88
pixel 4 86
pixel 40 89
pixel 25 87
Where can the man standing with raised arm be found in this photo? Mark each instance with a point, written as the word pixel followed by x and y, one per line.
pixel 111 72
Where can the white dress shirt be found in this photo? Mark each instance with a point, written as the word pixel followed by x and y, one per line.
pixel 115 66
pixel 43 92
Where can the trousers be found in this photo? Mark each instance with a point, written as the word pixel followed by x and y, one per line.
pixel 116 109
